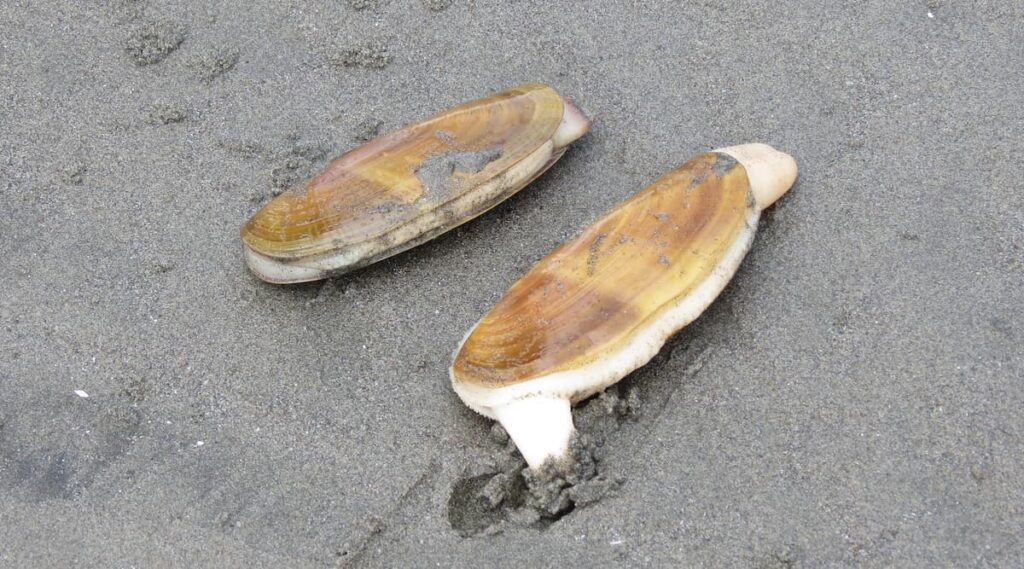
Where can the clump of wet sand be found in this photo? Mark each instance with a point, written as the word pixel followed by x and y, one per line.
pixel 152 42
pixel 369 55
pixel 501 491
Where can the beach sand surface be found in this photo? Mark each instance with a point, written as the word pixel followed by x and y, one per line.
pixel 855 397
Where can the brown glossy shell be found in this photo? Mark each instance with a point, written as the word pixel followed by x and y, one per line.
pixel 390 181
pixel 589 296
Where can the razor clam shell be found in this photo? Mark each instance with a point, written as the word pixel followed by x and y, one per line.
pixel 412 184
pixel 603 300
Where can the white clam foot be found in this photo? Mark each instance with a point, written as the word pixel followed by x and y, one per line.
pixel 540 426
pixel 770 172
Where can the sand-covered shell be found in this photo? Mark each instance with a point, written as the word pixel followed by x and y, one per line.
pixel 411 185
pixel 603 304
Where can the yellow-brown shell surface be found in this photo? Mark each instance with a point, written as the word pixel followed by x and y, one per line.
pixel 591 295
pixel 383 185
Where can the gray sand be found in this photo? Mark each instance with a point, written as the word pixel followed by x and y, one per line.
pixel 854 398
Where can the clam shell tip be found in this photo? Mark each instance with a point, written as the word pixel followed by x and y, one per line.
pixel 771 172
pixel 574 125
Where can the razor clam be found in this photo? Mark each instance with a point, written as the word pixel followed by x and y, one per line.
pixel 411 185
pixel 604 303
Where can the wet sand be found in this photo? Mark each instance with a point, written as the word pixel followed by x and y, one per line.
pixel 854 397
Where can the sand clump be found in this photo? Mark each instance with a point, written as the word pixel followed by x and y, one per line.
pixel 368 129
pixel 167 113
pixel 362 4
pixel 152 42
pixel 501 491
pixel 215 63
pixel 437 5
pixel 370 55
pixel 299 164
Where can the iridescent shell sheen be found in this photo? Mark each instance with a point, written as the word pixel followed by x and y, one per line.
pixel 410 185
